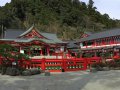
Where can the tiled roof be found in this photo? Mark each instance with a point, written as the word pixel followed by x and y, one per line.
pixel 108 33
pixel 29 40
pixel 71 44
pixel 88 33
pixel 38 39
pixel 27 31
pixel 14 33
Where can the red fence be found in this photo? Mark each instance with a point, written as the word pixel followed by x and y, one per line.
pixel 60 65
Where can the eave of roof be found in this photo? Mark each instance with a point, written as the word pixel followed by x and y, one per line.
pixel 33 39
pixel 7 39
pixel 104 34
pixel 30 40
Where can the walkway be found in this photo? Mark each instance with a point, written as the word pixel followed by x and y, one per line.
pixel 104 80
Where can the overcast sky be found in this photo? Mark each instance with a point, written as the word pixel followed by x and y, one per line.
pixel 3 2
pixel 111 7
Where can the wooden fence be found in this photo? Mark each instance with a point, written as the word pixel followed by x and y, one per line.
pixel 61 65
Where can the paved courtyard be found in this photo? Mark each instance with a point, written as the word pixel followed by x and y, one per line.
pixel 82 80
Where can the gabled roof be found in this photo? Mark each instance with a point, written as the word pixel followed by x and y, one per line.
pixel 51 36
pixel 14 33
pixel 24 33
pixel 108 33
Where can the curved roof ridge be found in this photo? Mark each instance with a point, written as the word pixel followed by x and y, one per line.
pixel 27 30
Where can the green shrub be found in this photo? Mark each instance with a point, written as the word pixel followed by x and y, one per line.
pixel 101 64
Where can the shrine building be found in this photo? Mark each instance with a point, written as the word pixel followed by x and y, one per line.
pixel 105 42
pixel 34 43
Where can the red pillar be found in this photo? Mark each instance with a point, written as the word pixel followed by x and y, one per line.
pixel 86 44
pixel 85 64
pixel 41 52
pixel 43 64
pixel 64 65
pixel 65 48
pixel 95 54
pixel 94 43
pixel 103 41
pixel 112 40
pixel 109 39
pixel 81 55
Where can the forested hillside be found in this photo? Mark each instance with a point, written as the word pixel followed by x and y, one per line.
pixel 67 18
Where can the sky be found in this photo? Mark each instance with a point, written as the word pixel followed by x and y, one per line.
pixel 3 2
pixel 111 7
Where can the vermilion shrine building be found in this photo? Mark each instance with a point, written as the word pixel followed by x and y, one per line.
pixel 106 42
pixel 49 53
pixel 34 43
pixel 46 51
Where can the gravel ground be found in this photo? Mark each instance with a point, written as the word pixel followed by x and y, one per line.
pixel 105 80
pixel 82 80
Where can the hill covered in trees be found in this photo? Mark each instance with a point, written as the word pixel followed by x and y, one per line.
pixel 67 18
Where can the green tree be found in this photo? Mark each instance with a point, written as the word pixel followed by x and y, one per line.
pixel 48 13
pixel 9 53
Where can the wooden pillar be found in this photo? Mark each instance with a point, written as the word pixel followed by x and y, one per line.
pixel 65 48
pixel 81 55
pixel 19 49
pixel 102 42
pixel 114 51
pixel 41 52
pixel 95 53
pixel 48 50
pixel 94 42
pixel 110 40
pixel 64 65
pixel 86 44
pixel 43 64
pixel 29 52
pixel 97 43
pixel 113 40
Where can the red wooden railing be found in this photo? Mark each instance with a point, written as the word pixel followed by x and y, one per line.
pixel 59 65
